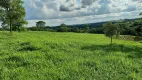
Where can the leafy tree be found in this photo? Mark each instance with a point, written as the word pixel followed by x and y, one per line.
pixel 97 30
pixel 34 28
pixel 137 27
pixel 40 24
pixel 86 28
pixel 12 12
pixel 74 29
pixel 117 25
pixel 140 27
pixel 63 25
pixel 18 25
pixel 110 30
pixel 63 28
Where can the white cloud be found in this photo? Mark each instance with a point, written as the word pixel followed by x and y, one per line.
pixel 80 11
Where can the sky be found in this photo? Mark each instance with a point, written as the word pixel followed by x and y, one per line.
pixel 56 12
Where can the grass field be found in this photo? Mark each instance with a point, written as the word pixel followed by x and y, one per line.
pixel 68 56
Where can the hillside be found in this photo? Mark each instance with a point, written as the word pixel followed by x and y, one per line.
pixel 68 56
pixel 99 24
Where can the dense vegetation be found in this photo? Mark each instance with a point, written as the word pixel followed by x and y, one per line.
pixel 12 14
pixel 129 27
pixel 68 56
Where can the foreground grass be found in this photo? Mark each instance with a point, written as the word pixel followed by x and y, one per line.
pixel 68 56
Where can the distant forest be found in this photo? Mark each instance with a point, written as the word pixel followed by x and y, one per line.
pixel 126 27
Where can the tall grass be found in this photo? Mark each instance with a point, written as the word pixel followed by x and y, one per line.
pixel 68 56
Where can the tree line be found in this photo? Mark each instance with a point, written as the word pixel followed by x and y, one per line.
pixel 124 28
pixel 12 15
pixel 110 29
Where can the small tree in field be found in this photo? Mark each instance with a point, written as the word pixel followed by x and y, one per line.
pixel 110 30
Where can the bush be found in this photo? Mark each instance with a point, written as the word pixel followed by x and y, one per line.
pixel 96 30
pixel 63 29
pixel 37 29
pixel 23 28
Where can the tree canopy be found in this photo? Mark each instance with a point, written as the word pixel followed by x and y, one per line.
pixel 63 28
pixel 110 29
pixel 40 24
pixel 86 28
pixel 12 12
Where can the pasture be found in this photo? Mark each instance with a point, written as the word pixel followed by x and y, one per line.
pixel 68 56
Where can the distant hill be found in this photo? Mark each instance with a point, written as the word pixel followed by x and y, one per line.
pixel 96 25
pixel 99 24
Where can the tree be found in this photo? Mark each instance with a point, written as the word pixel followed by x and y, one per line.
pixel 110 30
pixel 86 28
pixel 140 27
pixel 40 24
pixel 12 12
pixel 63 25
pixel 18 25
pixel 63 28
pixel 117 25
pixel 74 29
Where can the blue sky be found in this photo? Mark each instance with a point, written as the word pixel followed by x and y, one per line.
pixel 55 12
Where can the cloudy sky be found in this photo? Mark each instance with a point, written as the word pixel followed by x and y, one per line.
pixel 55 12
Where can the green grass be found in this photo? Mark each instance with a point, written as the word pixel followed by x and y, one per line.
pixel 68 56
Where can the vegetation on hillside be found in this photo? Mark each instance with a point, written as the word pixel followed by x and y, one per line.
pixel 133 28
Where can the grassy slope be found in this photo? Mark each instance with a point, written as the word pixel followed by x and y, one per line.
pixel 68 56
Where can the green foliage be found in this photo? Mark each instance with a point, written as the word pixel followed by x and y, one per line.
pixel 75 29
pixel 18 25
pixel 63 28
pixel 98 30
pixel 131 28
pixel 23 28
pixel 86 28
pixel 138 27
pixel 110 29
pixel 63 25
pixel 13 13
pixel 68 56
pixel 40 24
pixel 38 29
